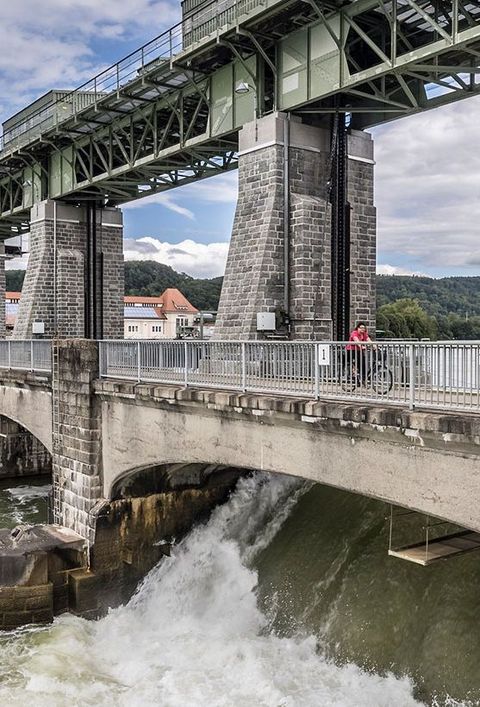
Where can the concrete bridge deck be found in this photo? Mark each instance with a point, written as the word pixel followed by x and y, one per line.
pixel 109 429
pixel 426 461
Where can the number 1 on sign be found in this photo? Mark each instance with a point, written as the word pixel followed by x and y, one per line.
pixel 323 354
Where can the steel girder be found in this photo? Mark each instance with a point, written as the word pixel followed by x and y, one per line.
pixel 175 121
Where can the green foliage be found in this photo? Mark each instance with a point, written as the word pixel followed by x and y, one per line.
pixel 452 305
pixel 405 319
pixel 456 327
pixel 439 298
pixel 151 279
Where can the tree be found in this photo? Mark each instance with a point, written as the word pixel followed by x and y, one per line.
pixel 405 319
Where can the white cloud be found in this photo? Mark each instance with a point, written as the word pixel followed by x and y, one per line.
pixel 50 45
pixel 428 187
pixel 386 269
pixel 188 256
pixel 191 257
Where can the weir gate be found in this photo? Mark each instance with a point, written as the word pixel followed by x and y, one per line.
pixel 145 439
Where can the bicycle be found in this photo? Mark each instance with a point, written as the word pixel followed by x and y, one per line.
pixel 377 375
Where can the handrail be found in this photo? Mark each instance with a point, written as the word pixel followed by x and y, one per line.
pixel 435 374
pixel 33 355
pixel 411 374
pixel 114 77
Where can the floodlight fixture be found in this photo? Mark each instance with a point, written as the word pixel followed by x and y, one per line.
pixel 242 87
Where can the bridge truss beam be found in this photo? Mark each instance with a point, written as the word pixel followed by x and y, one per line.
pixel 169 114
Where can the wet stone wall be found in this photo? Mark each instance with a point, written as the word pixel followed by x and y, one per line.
pixel 21 454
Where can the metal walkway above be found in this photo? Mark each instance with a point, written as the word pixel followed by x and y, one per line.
pixel 168 113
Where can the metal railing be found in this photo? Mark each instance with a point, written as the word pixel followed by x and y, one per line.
pixel 431 374
pixel 27 355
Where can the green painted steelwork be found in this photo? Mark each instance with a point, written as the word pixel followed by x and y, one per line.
pixel 169 114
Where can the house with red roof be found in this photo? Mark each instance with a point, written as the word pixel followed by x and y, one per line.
pixel 164 317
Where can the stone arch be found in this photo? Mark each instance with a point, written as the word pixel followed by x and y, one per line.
pixel 22 454
pixel 30 407
pixel 381 461
pixel 163 478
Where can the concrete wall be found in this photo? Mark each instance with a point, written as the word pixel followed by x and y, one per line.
pixel 38 292
pixel 254 275
pixel 426 462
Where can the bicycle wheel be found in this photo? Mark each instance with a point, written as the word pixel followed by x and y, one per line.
pixel 381 380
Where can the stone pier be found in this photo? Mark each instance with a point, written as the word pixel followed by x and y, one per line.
pixel 255 273
pixel 54 291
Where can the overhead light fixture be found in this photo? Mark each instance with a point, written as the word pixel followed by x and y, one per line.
pixel 242 87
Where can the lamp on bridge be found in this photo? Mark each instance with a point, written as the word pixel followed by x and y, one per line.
pixel 241 89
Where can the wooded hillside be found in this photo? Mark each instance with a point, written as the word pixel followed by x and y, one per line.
pixel 407 306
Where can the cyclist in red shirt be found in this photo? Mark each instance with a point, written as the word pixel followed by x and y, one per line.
pixel 358 350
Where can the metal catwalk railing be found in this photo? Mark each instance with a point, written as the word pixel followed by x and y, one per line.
pixel 431 374
pixel 26 355
pixel 159 52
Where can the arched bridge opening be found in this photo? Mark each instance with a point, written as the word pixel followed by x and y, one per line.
pixel 25 476
pixel 22 454
pixel 151 508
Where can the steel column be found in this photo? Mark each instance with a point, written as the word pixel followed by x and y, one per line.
pixel 340 241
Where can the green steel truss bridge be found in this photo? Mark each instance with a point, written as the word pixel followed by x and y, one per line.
pixel 169 113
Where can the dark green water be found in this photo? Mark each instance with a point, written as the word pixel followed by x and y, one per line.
pixel 285 598
pixel 23 501
pixel 327 572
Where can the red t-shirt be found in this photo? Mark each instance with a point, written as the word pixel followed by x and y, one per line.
pixel 357 336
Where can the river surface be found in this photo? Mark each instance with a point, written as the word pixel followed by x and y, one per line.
pixel 285 598
pixel 23 501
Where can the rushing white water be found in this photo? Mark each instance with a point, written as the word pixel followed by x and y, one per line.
pixel 22 494
pixel 24 504
pixel 193 634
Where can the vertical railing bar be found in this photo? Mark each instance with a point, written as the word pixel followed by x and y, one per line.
pixel 244 366
pixel 317 371
pixel 139 372
pixel 411 397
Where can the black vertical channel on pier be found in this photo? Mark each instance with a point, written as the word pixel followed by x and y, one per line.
pixel 93 278
pixel 340 260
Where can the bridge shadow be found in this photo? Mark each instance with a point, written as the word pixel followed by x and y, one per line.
pixel 22 454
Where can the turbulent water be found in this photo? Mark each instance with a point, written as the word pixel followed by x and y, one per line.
pixel 23 502
pixel 285 598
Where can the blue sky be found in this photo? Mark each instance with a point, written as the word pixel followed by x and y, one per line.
pixel 427 173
